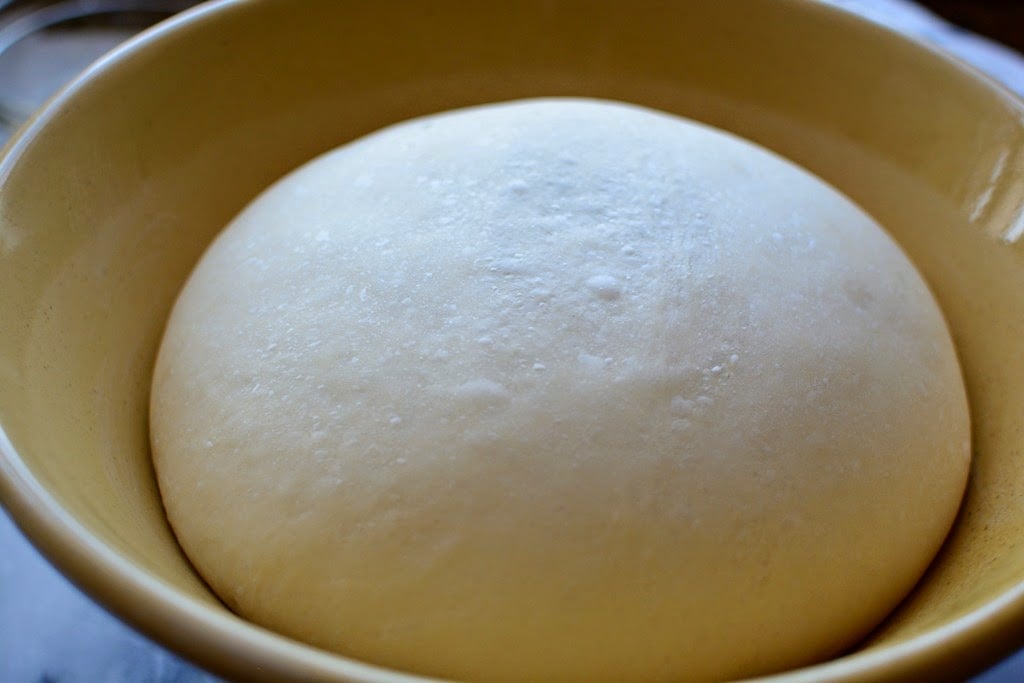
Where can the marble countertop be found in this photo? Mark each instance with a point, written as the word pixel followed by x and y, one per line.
pixel 52 633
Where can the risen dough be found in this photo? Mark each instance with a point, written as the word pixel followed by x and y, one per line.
pixel 559 390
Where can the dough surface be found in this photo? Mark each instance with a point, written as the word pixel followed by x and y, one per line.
pixel 559 390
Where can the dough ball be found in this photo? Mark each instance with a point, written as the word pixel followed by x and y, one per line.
pixel 559 390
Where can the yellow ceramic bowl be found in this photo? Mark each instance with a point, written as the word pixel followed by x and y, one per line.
pixel 111 193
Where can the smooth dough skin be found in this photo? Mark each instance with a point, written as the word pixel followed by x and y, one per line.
pixel 559 390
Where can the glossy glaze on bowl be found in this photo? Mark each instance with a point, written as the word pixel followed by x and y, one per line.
pixel 109 196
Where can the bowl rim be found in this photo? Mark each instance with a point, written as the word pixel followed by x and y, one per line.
pixel 219 640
